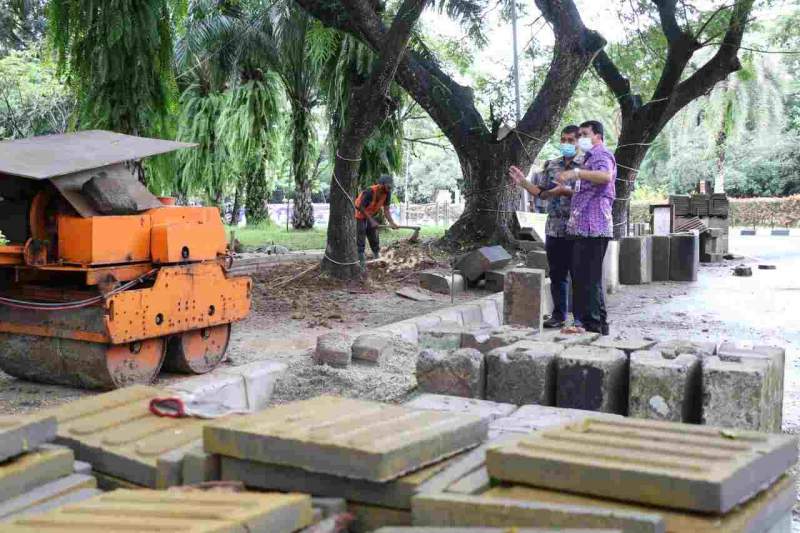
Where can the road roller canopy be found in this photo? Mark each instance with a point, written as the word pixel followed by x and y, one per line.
pixel 51 156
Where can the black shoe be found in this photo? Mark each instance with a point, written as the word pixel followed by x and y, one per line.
pixel 553 323
pixel 604 330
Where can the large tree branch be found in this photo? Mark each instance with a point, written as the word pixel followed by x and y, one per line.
pixel 619 85
pixel 669 22
pixel 681 46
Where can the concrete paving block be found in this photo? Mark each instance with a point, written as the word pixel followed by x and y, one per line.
pixel 495 280
pixel 767 509
pixel 198 466
pixel 592 378
pixel 538 259
pixel 330 506
pixel 530 418
pixel 485 340
pixel 195 511
pixel 611 268
pixel 20 434
pixel 456 373
pixel 241 388
pixel 475 263
pixel 567 339
pixel 405 329
pixel 81 467
pixel 334 349
pixel 371 517
pixel 395 494
pixel 522 373
pixel 523 298
pixel 684 256
pixel 776 356
pixel 457 510
pixel 26 472
pixel 441 282
pixel 680 466
pixel 661 248
pixel 371 347
pixel 489 314
pixel 107 483
pixel 737 394
pixel 672 348
pixel 426 529
pixel 59 501
pixel 636 260
pixel 661 388
pixel 44 493
pixel 626 345
pixel 442 336
pixel 345 437
pixel 119 436
pixel 484 409
pixel 471 314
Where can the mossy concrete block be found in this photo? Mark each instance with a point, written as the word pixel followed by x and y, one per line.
pixel 20 434
pixel 475 263
pixel 28 471
pixel 738 394
pixel 665 389
pixel 593 378
pixel 567 339
pixel 522 373
pixel 484 409
pixel 674 347
pixel 665 464
pixel 457 373
pixel 345 437
pixel 442 336
pixel 661 248
pixel 334 349
pixel 371 347
pixel 487 339
pixel 636 260
pixel 523 298
pixel 441 282
pixel 457 510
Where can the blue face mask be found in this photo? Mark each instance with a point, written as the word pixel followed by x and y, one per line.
pixel 568 150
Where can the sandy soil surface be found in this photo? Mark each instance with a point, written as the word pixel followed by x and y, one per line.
pixel 286 320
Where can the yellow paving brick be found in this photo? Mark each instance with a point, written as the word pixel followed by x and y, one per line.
pixel 345 437
pixel 118 435
pixel 371 517
pixel 757 515
pixel 19 434
pixel 25 472
pixel 192 512
pixel 681 466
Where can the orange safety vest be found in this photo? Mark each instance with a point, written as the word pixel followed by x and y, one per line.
pixel 377 203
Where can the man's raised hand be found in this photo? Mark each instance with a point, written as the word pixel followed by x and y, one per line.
pixel 516 175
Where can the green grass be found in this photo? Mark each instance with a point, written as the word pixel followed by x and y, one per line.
pixel 314 239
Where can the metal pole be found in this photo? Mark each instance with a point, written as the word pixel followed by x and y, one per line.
pixel 516 58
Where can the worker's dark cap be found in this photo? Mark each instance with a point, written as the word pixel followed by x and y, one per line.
pixel 386 180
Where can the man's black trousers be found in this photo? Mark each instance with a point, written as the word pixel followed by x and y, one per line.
pixel 587 281
pixel 365 232
pixel 559 259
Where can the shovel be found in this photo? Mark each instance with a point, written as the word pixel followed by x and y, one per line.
pixel 414 237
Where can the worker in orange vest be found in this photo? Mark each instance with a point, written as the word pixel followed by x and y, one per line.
pixel 369 202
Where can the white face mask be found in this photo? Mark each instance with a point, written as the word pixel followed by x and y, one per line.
pixel 585 144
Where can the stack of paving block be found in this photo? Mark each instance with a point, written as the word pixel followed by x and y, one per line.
pixel 698 205
pixel 681 204
pixel 632 475
pixel 34 475
pixel 376 456
pixel 474 265
pixel 127 445
pixel 145 511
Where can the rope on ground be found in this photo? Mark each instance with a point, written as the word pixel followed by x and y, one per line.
pixel 295 277
pixel 338 263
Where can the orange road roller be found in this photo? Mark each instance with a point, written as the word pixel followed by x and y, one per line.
pixel 101 283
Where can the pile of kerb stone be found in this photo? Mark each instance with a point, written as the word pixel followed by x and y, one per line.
pixel 728 385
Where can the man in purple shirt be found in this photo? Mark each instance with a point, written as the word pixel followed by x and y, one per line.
pixel 591 226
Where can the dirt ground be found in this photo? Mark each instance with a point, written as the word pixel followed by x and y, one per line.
pixel 287 319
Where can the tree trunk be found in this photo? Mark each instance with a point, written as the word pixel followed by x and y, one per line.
pixel 255 206
pixel 632 148
pixel 341 254
pixel 303 212
pixel 237 202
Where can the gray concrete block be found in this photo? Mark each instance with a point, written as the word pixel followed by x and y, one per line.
pixel 43 493
pixel 495 280
pixel 441 282
pixel 26 472
pixel 567 339
pixel 672 348
pixel 427 529
pixel 663 388
pixel 371 347
pixel 474 264
pixel 684 256
pixel 483 409
pixel 626 345
pixel 20 434
pixel 199 466
pixel 661 249
pixel 523 298
pixel 776 356
pixel 530 418
pixel 405 329
pixel 334 349
pixel 443 336
pixel 457 510
pixel 489 312
pixel 592 378
pixel 471 315
pixel 611 268
pixel 636 260
pixel 486 340
pixel 58 501
pixel 330 506
pixel 83 468
pixel 537 259
pixel 522 373
pixel 737 394
pixel 450 314
pixel 458 373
